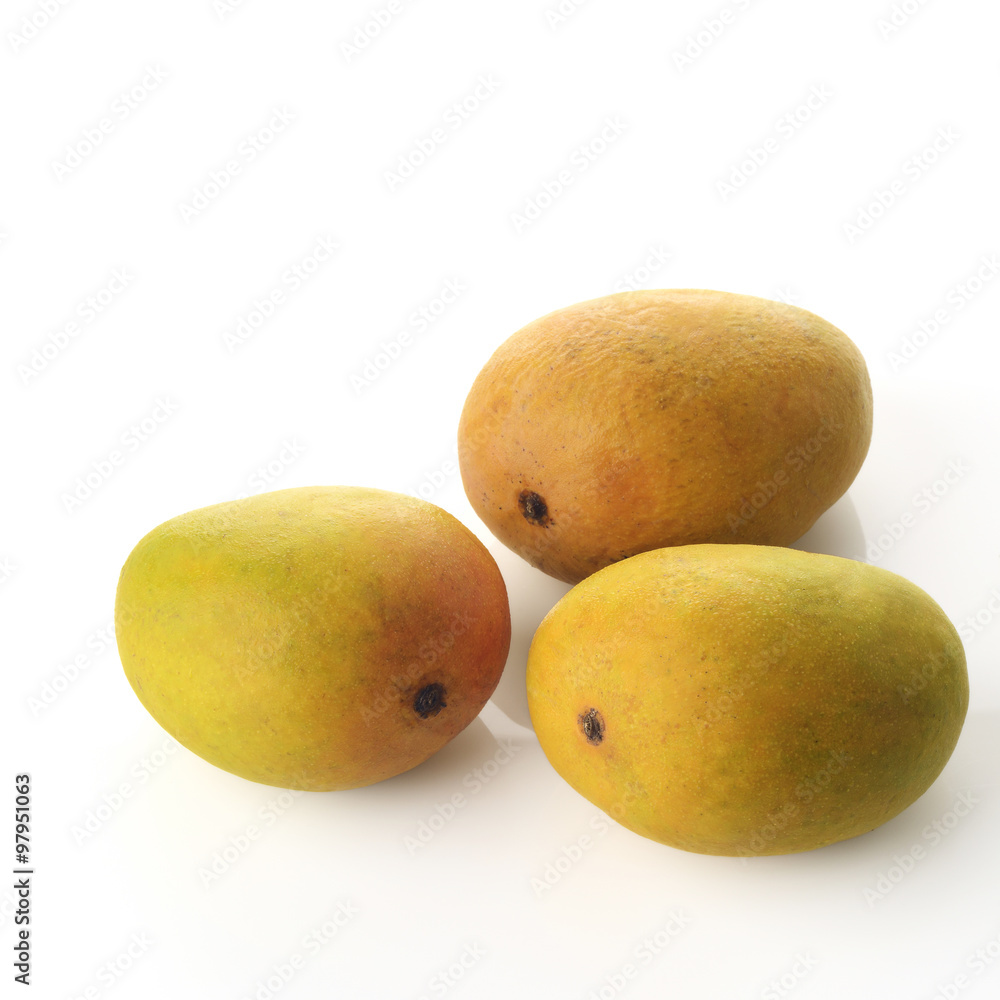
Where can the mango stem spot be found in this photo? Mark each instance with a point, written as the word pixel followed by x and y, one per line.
pixel 533 507
pixel 429 700
pixel 592 724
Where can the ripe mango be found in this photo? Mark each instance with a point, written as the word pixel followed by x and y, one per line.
pixel 747 700
pixel 314 638
pixel 668 417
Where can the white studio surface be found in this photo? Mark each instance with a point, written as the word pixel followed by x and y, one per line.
pixel 250 245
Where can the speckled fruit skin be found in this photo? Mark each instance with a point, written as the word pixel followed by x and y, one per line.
pixel 747 700
pixel 667 417
pixel 315 638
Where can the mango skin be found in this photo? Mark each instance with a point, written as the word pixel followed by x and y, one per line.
pixel 296 638
pixel 748 700
pixel 665 417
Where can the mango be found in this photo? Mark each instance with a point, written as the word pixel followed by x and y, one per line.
pixel 648 419
pixel 747 700
pixel 314 638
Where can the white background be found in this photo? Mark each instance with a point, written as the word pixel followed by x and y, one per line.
pixel 123 821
